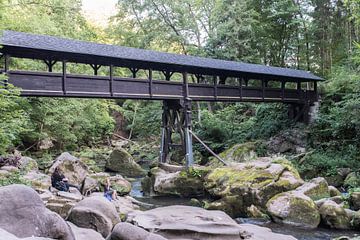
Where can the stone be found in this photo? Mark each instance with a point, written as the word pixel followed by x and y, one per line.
pixel 124 206
pixel 184 222
pixel 181 183
pixel 288 141
pixel 95 212
pixel 316 189
pixel 127 231
pixel 334 216
pixel 122 162
pixel 10 169
pixel 62 209
pixel 97 182
pixel 254 212
pixel 72 168
pixel 39 181
pixel 295 209
pixel 241 185
pixel 28 164
pixel 4 235
pixel 355 200
pixel 352 180
pixel 24 214
pixel 333 191
pixel 240 153
pixel 84 233
pixel 71 196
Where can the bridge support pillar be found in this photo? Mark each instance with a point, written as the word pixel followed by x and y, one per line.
pixel 175 131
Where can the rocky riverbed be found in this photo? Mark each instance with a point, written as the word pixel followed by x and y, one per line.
pixel 269 190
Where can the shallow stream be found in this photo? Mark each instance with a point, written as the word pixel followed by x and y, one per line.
pixel 300 234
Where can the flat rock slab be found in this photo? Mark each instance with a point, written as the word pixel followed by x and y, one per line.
pixel 184 222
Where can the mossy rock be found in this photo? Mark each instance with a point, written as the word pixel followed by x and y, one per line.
pixel 334 215
pixel 240 152
pixel 120 161
pixel 352 180
pixel 294 208
pixel 316 189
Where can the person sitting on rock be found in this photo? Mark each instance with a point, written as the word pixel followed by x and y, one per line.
pixel 59 181
pixel 109 193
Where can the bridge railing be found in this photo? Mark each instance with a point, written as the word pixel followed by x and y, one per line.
pixel 54 84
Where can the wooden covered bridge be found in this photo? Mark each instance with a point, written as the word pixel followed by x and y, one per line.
pixel 212 80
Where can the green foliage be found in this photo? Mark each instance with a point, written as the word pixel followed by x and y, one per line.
pixel 12 117
pixel 68 122
pixel 238 123
pixel 13 178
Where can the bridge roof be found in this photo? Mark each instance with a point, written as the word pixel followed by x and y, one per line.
pixel 25 45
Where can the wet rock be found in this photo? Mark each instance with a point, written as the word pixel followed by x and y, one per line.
pixel 316 189
pixel 96 213
pixel 127 231
pixel 122 162
pixel 334 216
pixel 24 214
pixel 355 200
pixel 333 191
pixel 186 222
pixel 239 186
pixel 84 233
pixel 71 167
pixel 294 208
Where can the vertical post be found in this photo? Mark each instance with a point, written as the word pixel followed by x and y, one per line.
pixel 241 87
pixel 215 87
pixel 263 89
pixel 187 112
pixel 150 82
pixel 298 88
pixel 64 77
pixel 246 82
pixel 111 83
pixel 6 68
pixel 283 90
pixel 316 90
pixel 163 145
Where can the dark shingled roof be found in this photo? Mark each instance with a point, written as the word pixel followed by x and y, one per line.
pixel 87 52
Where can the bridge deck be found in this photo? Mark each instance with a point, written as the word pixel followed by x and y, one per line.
pixel 51 85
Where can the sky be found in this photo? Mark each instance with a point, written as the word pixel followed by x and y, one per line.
pixel 98 11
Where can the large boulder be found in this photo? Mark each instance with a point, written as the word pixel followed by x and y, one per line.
pixel 182 183
pixel 316 189
pixel 241 185
pixel 97 181
pixel 39 181
pixel 334 216
pixel 184 222
pixel 85 233
pixel 122 162
pixel 95 212
pixel 4 235
pixel 127 231
pixel 24 214
pixel 352 180
pixel 240 153
pixel 72 168
pixel 355 200
pixel 289 141
pixel 27 164
pixel 294 208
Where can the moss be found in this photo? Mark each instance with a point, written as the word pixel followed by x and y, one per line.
pixel 288 166
pixel 240 152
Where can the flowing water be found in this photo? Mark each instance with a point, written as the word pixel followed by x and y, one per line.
pixel 300 234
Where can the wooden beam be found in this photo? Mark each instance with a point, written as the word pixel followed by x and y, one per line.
pixel 283 90
pixel 215 87
pixel 150 83
pixel 64 77
pixel 240 87
pixel 263 89
pixel 111 84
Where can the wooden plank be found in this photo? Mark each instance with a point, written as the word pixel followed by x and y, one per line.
pixel 64 77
